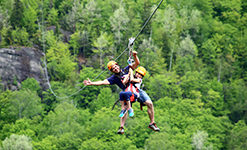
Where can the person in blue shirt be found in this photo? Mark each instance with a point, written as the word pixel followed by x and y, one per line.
pixel 117 79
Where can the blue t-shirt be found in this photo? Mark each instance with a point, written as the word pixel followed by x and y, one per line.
pixel 117 78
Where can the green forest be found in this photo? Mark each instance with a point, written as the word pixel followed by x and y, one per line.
pixel 195 52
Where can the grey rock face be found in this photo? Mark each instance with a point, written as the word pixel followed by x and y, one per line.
pixel 17 64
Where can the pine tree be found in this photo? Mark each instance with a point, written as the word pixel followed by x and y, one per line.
pixel 17 14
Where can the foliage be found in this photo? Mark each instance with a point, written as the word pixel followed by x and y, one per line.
pixel 31 84
pixel 119 20
pixel 64 119
pixel 195 53
pixel 20 37
pixel 237 137
pixel 52 18
pixel 4 105
pixel 24 103
pixel 164 85
pixel 29 18
pixel 235 97
pixel 104 99
pixel 22 126
pixel 17 142
pixel 102 47
pixel 17 14
pixel 60 63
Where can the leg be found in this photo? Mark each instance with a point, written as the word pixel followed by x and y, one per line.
pixel 122 97
pixel 150 110
pixel 128 105
pixel 146 100
pixel 130 110
pixel 122 120
pixel 122 105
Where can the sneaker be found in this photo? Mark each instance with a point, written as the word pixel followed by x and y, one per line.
pixel 120 130
pixel 122 113
pixel 131 112
pixel 154 127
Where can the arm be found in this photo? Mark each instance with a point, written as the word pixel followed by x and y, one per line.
pixel 137 62
pixel 132 79
pixel 126 77
pixel 89 82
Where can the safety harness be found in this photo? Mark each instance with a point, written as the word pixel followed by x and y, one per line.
pixel 134 90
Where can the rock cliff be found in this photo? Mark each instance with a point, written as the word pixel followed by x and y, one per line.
pixel 17 64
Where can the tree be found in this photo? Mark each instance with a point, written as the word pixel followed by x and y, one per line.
pixel 217 50
pixel 53 17
pixel 22 126
pixel 199 140
pixel 161 142
pixel 5 97
pixel 60 63
pixel 31 84
pixel 162 85
pixel 17 142
pixel 182 118
pixel 235 98
pixel 104 99
pixel 76 41
pixel 187 51
pixel 237 139
pixel 167 28
pixel 68 141
pixel 4 16
pixel 102 46
pixel 24 103
pixel 29 18
pixel 17 14
pixel 112 141
pixel 49 142
pixel 119 21
pixel 194 81
pixel 89 93
pixel 20 37
pixel 75 15
pixel 64 119
pixel 151 57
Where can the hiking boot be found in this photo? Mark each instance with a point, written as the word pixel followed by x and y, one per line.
pixel 122 113
pixel 131 112
pixel 154 127
pixel 120 130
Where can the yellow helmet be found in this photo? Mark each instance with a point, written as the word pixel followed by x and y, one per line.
pixel 141 70
pixel 110 64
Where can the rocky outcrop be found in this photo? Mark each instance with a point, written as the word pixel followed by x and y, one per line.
pixel 18 64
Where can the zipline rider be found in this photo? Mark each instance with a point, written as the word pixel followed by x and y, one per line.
pixel 117 78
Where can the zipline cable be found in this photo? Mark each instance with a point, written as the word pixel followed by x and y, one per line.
pixel 46 72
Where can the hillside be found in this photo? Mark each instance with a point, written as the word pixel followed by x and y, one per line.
pixel 195 54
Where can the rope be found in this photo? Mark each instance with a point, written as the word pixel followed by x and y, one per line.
pixel 46 72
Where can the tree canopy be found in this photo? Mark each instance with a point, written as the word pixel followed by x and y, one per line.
pixel 195 53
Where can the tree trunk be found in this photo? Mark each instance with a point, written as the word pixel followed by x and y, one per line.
pixel 171 57
pixel 219 71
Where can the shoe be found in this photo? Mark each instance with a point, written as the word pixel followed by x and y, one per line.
pixel 122 113
pixel 154 127
pixel 120 130
pixel 131 112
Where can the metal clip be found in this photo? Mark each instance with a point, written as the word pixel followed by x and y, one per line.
pixel 131 43
pixel 130 61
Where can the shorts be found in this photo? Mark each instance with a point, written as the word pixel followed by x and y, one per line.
pixel 143 96
pixel 125 95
